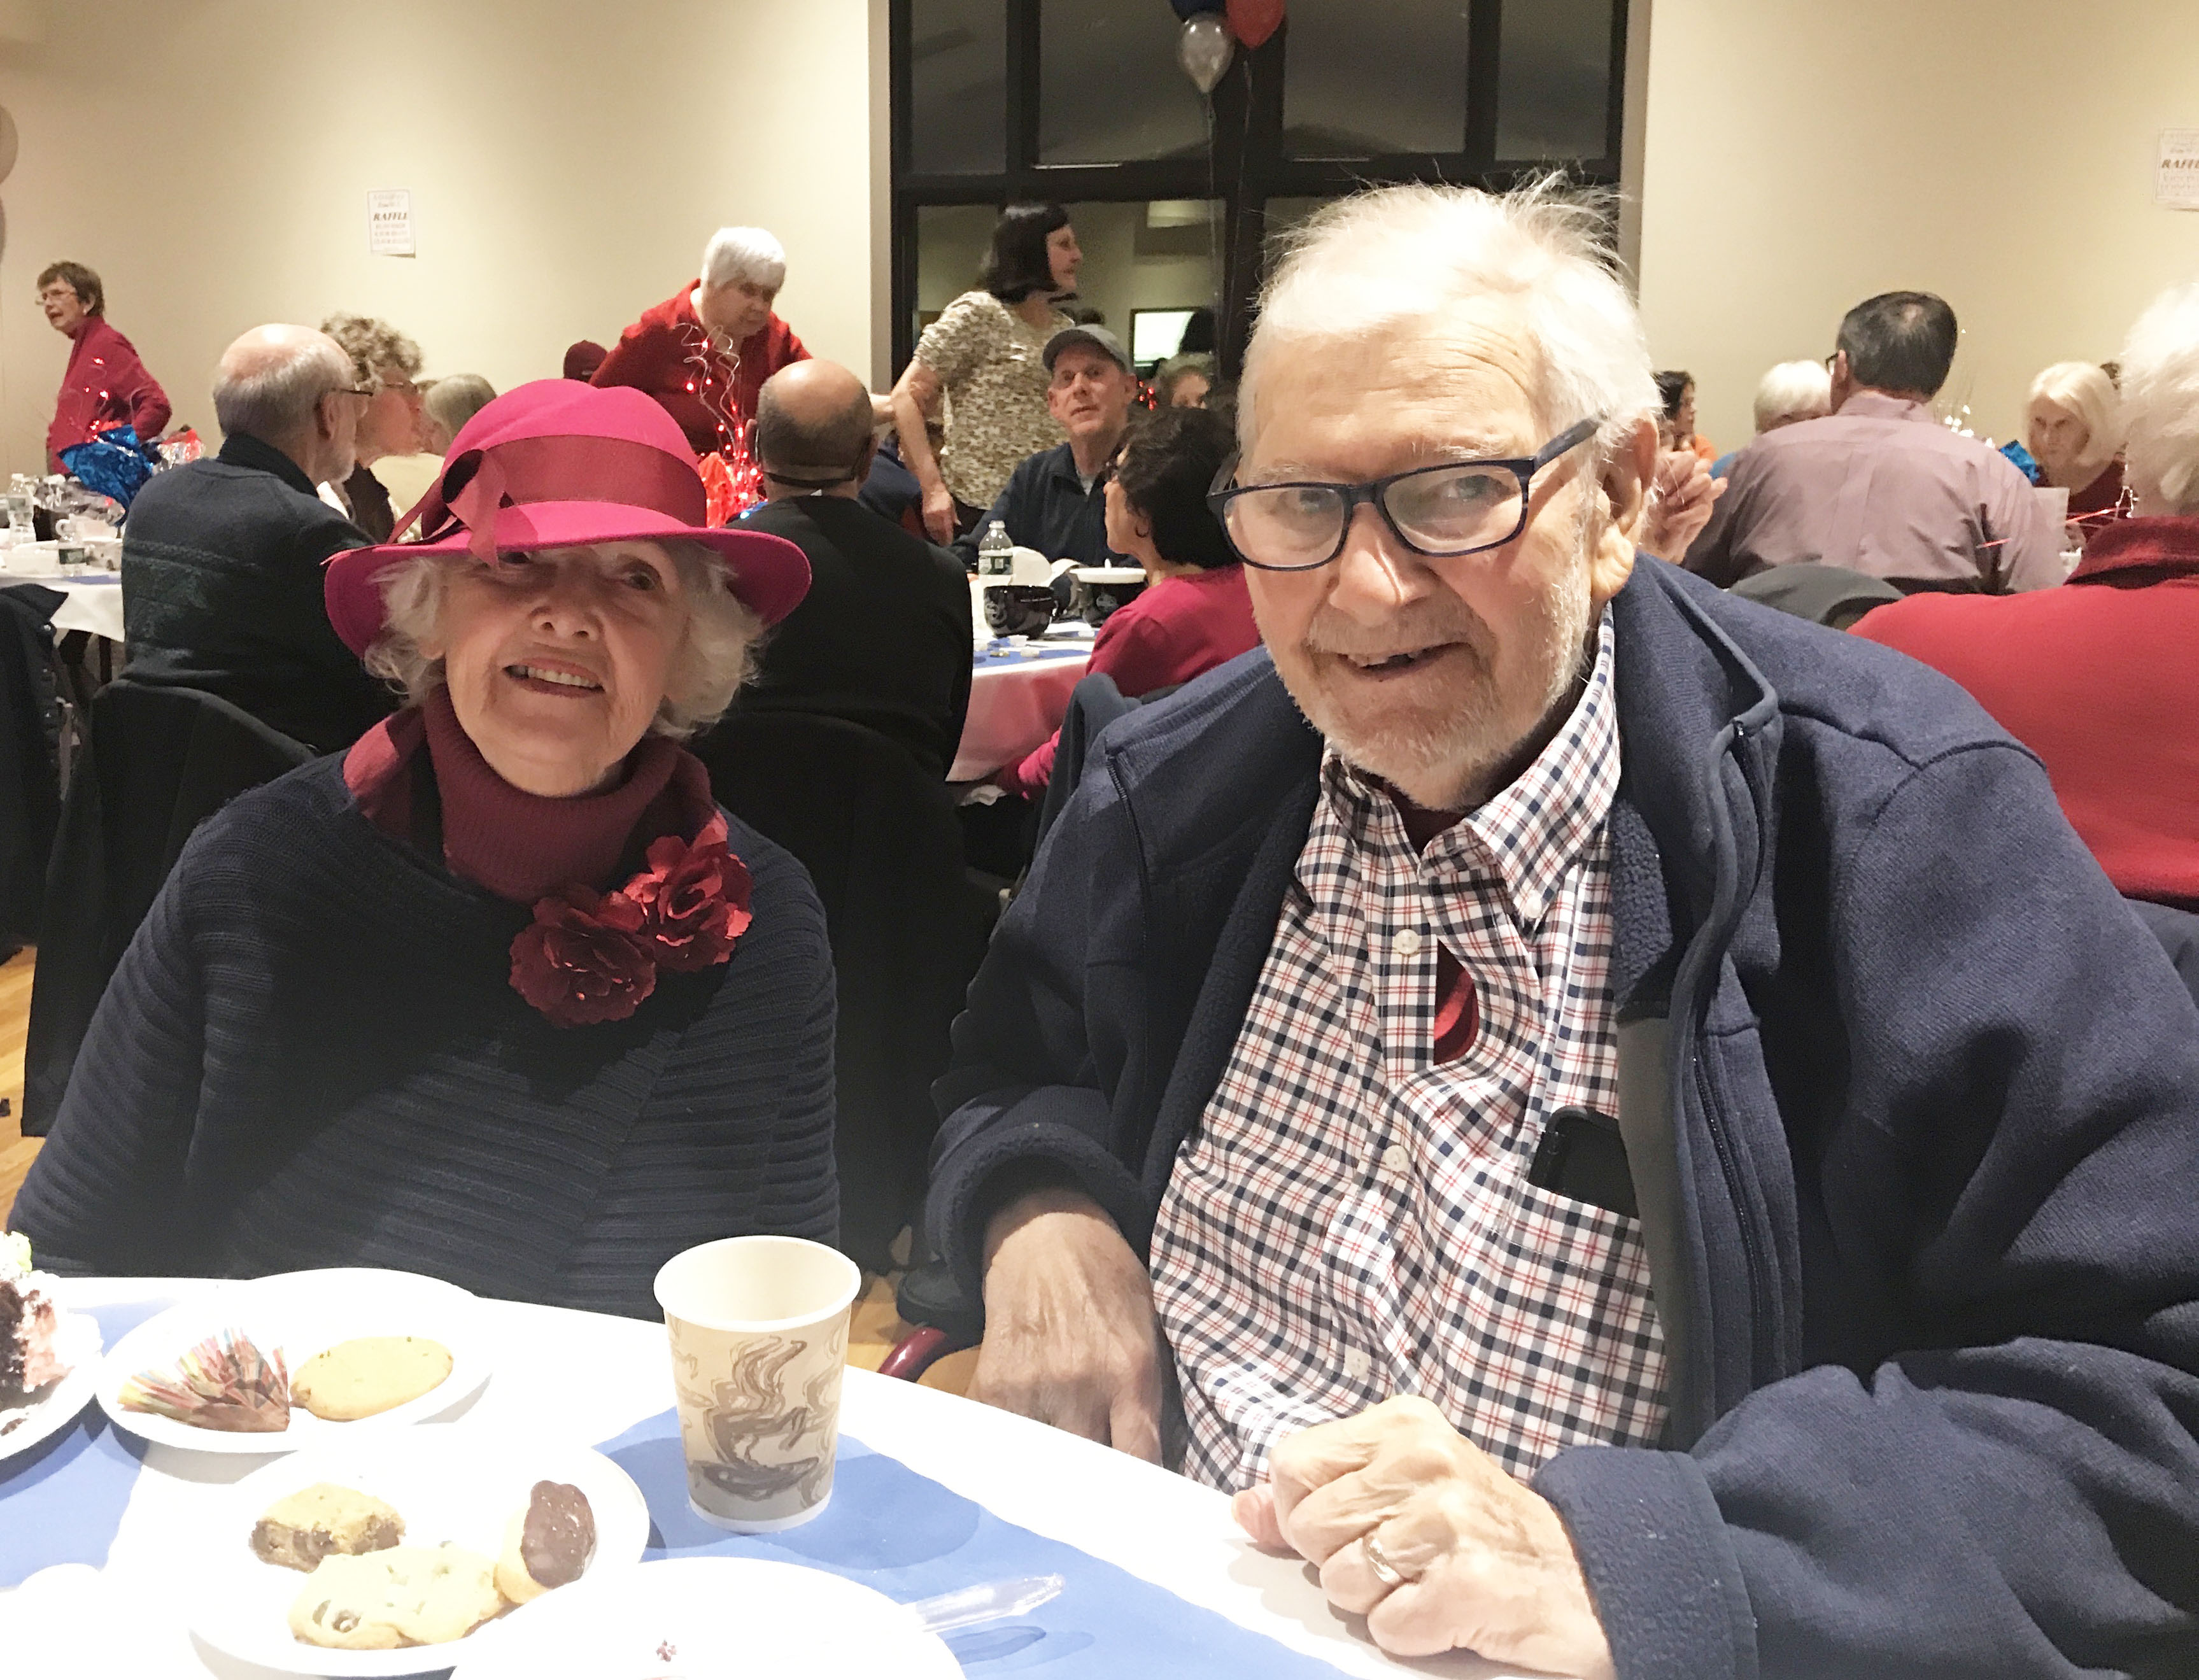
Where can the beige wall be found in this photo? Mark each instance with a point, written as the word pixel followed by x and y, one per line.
pixel 1801 156
pixel 567 159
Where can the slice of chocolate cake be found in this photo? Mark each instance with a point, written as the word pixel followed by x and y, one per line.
pixel 32 1353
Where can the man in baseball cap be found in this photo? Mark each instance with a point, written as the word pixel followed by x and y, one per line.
pixel 1054 501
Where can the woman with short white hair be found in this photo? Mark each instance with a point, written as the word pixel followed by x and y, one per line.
pixel 705 351
pixel 500 995
pixel 2074 428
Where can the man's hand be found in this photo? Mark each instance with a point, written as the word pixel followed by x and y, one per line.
pixel 1069 1334
pixel 1488 1565
pixel 1680 499
pixel 939 514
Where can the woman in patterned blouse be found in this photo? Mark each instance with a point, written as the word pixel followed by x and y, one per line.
pixel 985 354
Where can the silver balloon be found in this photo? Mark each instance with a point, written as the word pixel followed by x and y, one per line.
pixel 8 143
pixel 1205 50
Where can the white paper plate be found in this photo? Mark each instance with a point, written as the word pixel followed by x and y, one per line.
pixel 460 1485
pixel 57 1404
pixel 716 1616
pixel 303 1313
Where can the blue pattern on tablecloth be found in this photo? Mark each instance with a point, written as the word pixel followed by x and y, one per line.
pixel 908 1537
pixel 62 1502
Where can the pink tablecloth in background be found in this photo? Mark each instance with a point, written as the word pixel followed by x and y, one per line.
pixel 1015 704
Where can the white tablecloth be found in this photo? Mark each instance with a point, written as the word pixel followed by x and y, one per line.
pixel 587 1378
pixel 94 603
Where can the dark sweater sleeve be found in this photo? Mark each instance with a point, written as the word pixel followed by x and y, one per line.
pixel 2018 1495
pixel 802 1190
pixel 1022 1095
pixel 103 1193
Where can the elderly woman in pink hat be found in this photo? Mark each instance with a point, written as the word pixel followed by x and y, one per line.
pixel 500 994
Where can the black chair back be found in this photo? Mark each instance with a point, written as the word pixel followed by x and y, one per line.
pixel 159 762
pixel 29 756
pixel 880 841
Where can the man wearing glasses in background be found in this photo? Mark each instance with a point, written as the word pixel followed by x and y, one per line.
pixel 1623 1126
pixel 221 559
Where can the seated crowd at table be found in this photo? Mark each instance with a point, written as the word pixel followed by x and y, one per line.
pixel 1641 1135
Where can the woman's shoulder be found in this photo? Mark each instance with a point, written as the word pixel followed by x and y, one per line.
pixel 781 895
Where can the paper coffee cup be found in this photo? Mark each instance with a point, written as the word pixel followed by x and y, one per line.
pixel 759 1334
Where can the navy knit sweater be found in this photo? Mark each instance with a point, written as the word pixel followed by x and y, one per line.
pixel 311 1056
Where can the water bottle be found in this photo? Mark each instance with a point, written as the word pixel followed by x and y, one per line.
pixel 996 555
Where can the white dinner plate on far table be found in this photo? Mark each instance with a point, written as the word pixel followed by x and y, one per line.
pixel 699 1617
pixel 457 1486
pixel 302 1314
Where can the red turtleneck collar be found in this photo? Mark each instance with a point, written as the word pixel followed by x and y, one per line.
pixel 522 846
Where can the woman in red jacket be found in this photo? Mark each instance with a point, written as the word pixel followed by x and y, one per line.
pixel 705 353
pixel 1195 612
pixel 106 385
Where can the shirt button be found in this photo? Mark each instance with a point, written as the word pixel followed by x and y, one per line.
pixel 1395 1162
pixel 1407 943
pixel 1356 1364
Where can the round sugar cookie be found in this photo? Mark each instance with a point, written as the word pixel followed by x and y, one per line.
pixel 357 1378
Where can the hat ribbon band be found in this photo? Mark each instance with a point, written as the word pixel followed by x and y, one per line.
pixel 570 469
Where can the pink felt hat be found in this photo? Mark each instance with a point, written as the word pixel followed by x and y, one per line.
pixel 558 464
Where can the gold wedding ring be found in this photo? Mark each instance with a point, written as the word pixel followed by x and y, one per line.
pixel 1378 1561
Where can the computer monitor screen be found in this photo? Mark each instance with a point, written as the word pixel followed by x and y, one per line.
pixel 1156 333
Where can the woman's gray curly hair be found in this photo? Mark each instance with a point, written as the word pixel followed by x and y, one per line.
pixel 715 657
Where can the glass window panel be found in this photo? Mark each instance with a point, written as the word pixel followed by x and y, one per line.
pixel 1139 257
pixel 1554 76
pixel 958 52
pixel 1110 88
pixel 1362 81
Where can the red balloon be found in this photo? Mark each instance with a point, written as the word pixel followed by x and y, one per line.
pixel 1252 21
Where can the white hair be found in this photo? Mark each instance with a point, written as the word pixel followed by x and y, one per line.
pixel 2160 401
pixel 1408 255
pixel 735 255
pixel 271 393
pixel 716 656
pixel 1793 391
pixel 2086 392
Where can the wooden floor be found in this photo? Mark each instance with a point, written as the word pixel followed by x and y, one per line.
pixel 16 1151
pixel 871 1337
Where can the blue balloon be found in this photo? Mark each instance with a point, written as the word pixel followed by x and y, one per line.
pixel 1188 9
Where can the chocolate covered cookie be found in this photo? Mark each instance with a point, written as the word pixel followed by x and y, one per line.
pixel 549 1544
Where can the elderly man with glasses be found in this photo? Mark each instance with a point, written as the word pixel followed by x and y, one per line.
pixel 1623 1126
pixel 222 557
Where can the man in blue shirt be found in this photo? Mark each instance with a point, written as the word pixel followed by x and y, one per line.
pixel 1055 501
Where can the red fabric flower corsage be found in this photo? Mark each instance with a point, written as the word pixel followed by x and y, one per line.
pixel 589 957
pixel 694 900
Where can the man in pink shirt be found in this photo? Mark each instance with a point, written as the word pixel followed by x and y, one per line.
pixel 1879 486
pixel 105 385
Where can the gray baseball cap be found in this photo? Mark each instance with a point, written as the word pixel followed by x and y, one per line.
pixel 1099 337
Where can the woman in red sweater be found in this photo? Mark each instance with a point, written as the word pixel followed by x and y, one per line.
pixel 1195 612
pixel 705 353
pixel 105 385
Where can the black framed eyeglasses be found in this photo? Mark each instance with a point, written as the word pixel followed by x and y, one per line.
pixel 1457 507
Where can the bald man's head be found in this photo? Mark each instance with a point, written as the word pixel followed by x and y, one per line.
pixel 813 427
pixel 271 381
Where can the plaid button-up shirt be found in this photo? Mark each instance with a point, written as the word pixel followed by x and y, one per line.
pixel 1352 1220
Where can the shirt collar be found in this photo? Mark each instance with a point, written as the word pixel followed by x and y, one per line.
pixel 1529 835
pixel 1879 405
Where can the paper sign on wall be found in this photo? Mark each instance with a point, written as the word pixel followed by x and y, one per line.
pixel 389 224
pixel 2176 183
